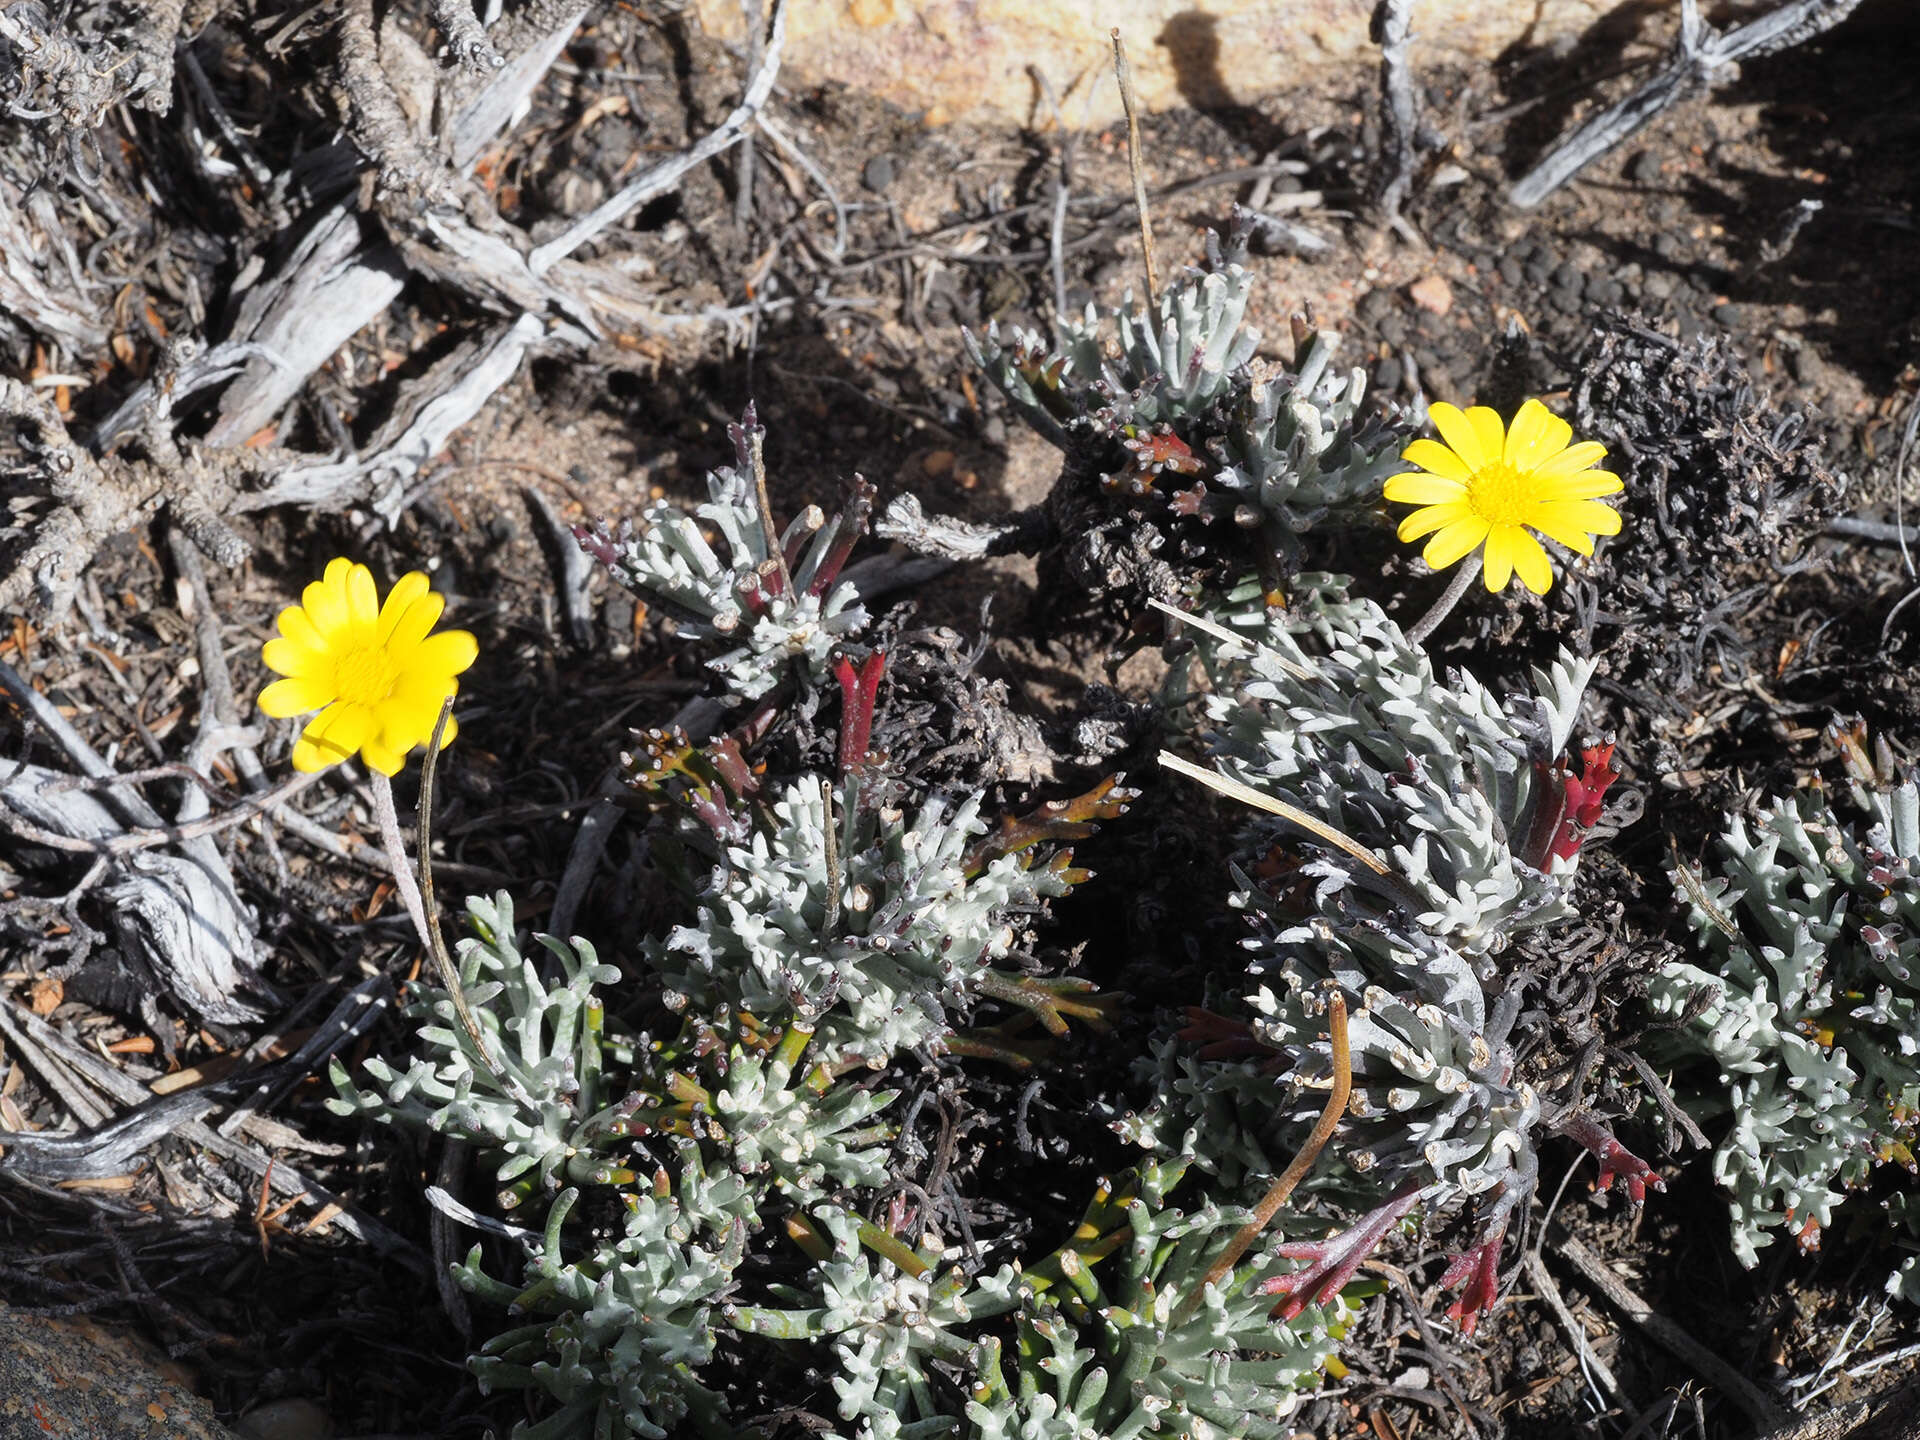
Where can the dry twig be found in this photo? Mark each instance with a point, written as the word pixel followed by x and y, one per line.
pixel 1698 60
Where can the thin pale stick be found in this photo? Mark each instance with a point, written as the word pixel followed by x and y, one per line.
pixel 756 441
pixel 1123 72
pixel 389 822
pixel 1282 1189
pixel 436 943
pixel 1292 814
pixel 1221 632
pixel 148 839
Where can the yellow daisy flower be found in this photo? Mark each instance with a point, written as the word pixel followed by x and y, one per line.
pixel 371 670
pixel 1491 485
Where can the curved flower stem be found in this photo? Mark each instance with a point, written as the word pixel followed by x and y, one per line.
pixel 1463 577
pixel 1282 1189
pixel 389 822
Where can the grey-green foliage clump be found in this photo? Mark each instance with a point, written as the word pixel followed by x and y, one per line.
pixel 1216 432
pixel 649 1173
pixel 774 611
pixel 881 952
pixel 689 1139
pixel 536 1089
pixel 1437 826
pixel 1801 1013
pixel 1105 1347
pixel 1110 1351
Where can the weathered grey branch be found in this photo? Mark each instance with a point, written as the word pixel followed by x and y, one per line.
pixel 376 121
pixel 907 521
pixel 33 292
pixel 467 43
pixel 89 506
pixel 179 913
pixel 79 83
pixel 439 403
pixel 1697 62
pixel 1392 31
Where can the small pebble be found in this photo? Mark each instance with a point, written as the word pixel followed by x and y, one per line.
pixel 1432 293
pixel 1511 270
pixel 1388 374
pixel 1569 277
pixel 1660 286
pixel 1644 168
pixel 1807 366
pixel 877 173
pixel 1375 305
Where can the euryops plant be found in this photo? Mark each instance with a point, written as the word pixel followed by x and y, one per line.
pixel 774 596
pixel 1185 451
pixel 693 1151
pixel 1425 825
pixel 1800 1027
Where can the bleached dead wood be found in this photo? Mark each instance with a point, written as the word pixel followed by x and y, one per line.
pixel 175 915
pixel 1701 58
pixel 446 397
pixel 41 285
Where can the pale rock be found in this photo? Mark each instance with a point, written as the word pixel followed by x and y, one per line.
pixel 968 59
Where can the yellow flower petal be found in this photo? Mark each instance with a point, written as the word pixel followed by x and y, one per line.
pixel 372 670
pixel 448 653
pixel 406 591
pixel 1571 536
pixel 1418 488
pixel 339 728
pixel 1588 515
pixel 1499 557
pixel 1530 562
pixel 1487 426
pixel 1462 434
pixel 411 627
pixel 1455 541
pixel 1432 455
pixel 286 698
pixel 1422 522
pixel 297 627
pixel 1537 435
pixel 1574 457
pixel 363 598
pixel 379 757
pixel 325 601
pixel 1585 485
pixel 284 657
pixel 308 758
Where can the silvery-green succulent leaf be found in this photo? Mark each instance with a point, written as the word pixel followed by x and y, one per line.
pixel 1270 447
pixel 740 595
pixel 1803 1003
pixel 913 931
pixel 1326 707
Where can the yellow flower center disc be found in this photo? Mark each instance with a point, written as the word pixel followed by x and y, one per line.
pixel 1502 495
pixel 365 677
